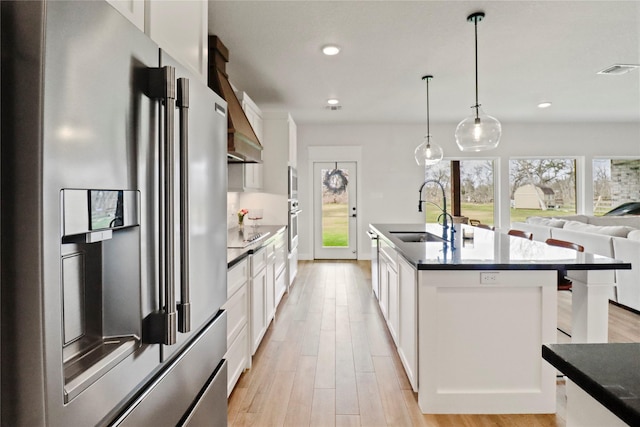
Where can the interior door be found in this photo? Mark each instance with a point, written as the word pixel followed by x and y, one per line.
pixel 335 210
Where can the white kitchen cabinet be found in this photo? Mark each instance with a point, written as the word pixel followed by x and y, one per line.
pixel 248 176
pixel 244 177
pixel 276 274
pixel 281 260
pixel 258 284
pixel 181 29
pixel 133 10
pixel 394 303
pixel 408 332
pixel 383 298
pixel 389 285
pixel 270 299
pixel 237 306
pixel 280 140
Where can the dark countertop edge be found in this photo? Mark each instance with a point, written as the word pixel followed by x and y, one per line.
pixel 596 390
pixel 524 266
pixel 253 248
pixel 485 265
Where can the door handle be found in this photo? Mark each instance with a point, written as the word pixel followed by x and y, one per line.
pixel 184 307
pixel 162 87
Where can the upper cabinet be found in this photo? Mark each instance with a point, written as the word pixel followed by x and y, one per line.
pixel 178 27
pixel 280 141
pixel 133 10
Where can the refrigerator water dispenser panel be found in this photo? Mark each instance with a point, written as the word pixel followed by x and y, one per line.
pixel 101 288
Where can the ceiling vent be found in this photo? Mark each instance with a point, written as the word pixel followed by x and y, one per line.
pixel 618 69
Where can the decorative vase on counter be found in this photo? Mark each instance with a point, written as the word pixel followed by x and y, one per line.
pixel 241 215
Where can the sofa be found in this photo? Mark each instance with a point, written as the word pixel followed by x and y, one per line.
pixel 612 236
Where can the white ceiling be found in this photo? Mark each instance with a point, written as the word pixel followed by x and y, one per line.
pixel 529 51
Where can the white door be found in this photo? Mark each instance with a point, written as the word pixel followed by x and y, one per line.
pixel 335 212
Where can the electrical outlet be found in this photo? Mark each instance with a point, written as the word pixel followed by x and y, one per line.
pixel 489 277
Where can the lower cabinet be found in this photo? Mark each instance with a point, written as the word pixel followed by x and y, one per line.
pixel 238 355
pixel 398 303
pixel 394 304
pixel 281 260
pixel 258 304
pixel 255 286
pixel 270 297
pixel 383 298
pixel 408 320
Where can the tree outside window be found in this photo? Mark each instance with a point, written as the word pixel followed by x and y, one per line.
pixel 476 189
pixel 542 187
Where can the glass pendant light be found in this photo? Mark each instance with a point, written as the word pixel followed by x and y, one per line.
pixel 478 132
pixel 428 153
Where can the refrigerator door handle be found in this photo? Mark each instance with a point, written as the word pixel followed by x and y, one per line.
pixel 184 307
pixel 162 87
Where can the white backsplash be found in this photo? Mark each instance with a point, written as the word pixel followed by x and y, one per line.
pixel 274 207
pixel 233 206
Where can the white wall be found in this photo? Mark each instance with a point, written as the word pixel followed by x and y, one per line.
pixel 389 177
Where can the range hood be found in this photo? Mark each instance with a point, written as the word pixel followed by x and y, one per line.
pixel 243 145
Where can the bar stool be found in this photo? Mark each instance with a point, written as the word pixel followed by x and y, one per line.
pixel 520 233
pixel 485 226
pixel 564 284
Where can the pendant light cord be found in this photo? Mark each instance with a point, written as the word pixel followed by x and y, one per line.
pixel 428 129
pixel 475 21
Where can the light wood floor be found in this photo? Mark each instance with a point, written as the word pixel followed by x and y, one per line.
pixel 328 360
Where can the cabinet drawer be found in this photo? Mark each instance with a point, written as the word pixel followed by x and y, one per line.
pixel 237 358
pixel 258 261
pixel 237 276
pixel 390 254
pixel 237 307
pixel 281 255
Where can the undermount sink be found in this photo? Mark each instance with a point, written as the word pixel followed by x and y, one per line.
pixel 417 236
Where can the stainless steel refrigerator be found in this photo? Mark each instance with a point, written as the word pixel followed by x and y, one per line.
pixel 113 225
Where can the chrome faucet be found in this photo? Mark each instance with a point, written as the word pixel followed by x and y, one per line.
pixel 444 215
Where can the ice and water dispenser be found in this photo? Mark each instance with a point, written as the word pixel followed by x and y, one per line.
pixel 100 277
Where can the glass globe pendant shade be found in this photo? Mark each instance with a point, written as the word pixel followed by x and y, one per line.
pixel 428 153
pixel 478 132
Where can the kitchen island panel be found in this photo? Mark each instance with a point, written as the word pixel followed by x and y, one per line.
pixel 479 346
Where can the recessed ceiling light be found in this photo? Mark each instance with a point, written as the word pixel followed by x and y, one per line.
pixel 333 101
pixel 545 104
pixel 330 50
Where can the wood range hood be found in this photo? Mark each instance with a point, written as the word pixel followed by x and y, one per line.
pixel 243 145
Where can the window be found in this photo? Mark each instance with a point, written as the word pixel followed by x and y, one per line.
pixel 475 187
pixel 615 181
pixel 542 187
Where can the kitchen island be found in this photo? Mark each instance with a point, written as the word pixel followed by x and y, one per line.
pixel 469 323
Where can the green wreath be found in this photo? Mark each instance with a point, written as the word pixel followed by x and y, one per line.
pixel 336 181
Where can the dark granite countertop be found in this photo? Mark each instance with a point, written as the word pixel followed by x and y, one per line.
pixel 488 250
pixel 610 373
pixel 235 255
